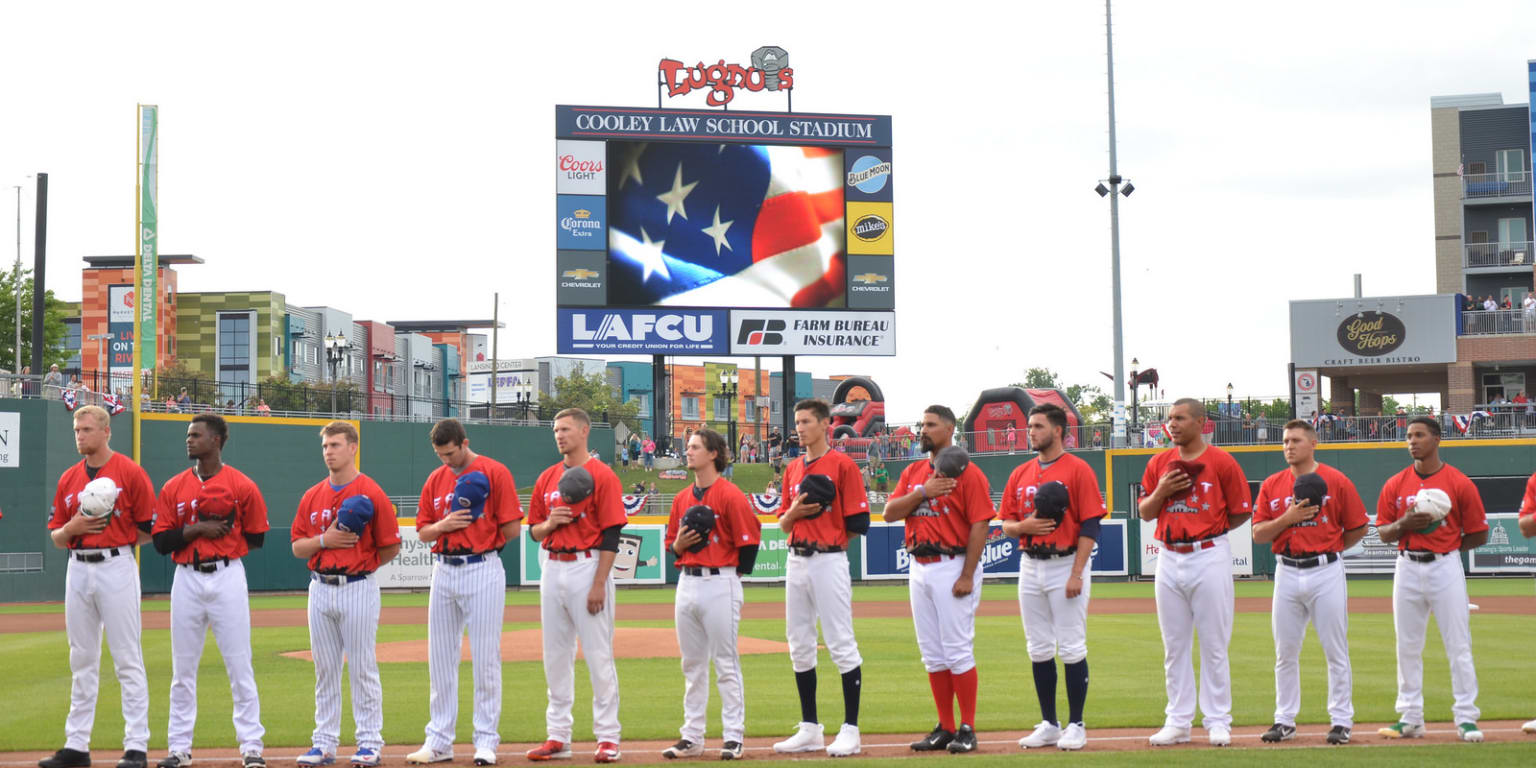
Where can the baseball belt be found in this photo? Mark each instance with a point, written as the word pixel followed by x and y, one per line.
pixel 478 557
pixel 338 579
pixel 1422 557
pixel 100 556
pixel 207 566
pixel 1310 561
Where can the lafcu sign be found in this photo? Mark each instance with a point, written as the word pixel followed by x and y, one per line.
pixel 769 71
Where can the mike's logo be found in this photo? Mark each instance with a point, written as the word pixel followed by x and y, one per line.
pixel 759 332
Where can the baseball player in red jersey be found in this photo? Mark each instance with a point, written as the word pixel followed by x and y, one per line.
pixel 343 551
pixel 1428 578
pixel 100 528
pixel 1053 504
pixel 581 538
pixel 1308 513
pixel 1196 493
pixel 818 586
pixel 946 518
pixel 709 596
pixel 208 517
pixel 468 511
pixel 1528 530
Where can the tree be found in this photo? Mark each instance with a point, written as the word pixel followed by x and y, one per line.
pixel 593 395
pixel 200 386
pixel 54 314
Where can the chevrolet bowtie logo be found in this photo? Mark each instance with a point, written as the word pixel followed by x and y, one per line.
pixel 579 274
pixel 869 277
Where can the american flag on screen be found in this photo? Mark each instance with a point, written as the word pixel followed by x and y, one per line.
pixel 725 225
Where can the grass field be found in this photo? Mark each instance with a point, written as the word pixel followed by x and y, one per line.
pixel 1124 650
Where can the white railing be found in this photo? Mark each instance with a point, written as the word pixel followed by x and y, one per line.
pixel 1498 254
pixel 1497 322
pixel 1484 185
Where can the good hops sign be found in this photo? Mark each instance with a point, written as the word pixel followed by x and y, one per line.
pixel 1371 333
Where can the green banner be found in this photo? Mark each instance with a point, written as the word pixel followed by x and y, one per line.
pixel 772 556
pixel 146 296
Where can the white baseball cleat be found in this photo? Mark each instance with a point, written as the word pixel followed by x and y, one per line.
pixel 1168 736
pixel 1220 735
pixel 485 756
pixel 1074 736
pixel 808 738
pixel 1045 735
pixel 846 743
pixel 1529 727
pixel 429 755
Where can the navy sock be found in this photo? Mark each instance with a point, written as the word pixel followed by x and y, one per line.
pixel 853 681
pixel 1077 688
pixel 1045 688
pixel 806 682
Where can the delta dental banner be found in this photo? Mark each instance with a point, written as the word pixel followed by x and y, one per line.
pixel 148 251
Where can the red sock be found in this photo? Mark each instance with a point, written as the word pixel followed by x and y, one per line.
pixel 965 690
pixel 943 685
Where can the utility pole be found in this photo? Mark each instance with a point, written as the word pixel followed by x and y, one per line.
pixel 17 276
pixel 1113 192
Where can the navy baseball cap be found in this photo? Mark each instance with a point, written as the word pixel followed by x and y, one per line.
pixel 1311 488
pixel 1052 500
pixel 470 493
pixel 354 514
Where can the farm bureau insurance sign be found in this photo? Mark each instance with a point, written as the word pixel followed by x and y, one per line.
pixel 1374 331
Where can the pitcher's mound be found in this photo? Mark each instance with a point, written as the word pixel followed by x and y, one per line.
pixel 527 645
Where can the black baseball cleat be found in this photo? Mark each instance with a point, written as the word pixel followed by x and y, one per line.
pixel 66 758
pixel 934 741
pixel 133 758
pixel 1338 735
pixel 1279 732
pixel 175 760
pixel 964 741
pixel 253 760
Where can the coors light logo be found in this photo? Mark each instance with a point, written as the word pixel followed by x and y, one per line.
pixel 1371 334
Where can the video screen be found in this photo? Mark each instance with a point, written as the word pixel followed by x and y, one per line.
pixel 725 225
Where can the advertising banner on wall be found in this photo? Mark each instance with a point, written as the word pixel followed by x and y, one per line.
pixel 412 568
pixel 639 561
pixel 885 552
pixel 1371 555
pixel 778 332
pixel 1372 331
pixel 1507 551
pixel 149 230
pixel 772 556
pixel 648 331
pixel 1240 538
pixel 120 300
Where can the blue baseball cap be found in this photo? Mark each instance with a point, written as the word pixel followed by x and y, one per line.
pixel 470 493
pixel 354 514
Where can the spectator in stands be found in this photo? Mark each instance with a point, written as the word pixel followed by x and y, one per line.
pixel 648 453
pixel 1507 304
pixel 78 385
pixel 53 382
pixel 1011 436
pixel 1470 305
pixel 171 406
pixel 1529 305
pixel 1489 304
pixel 183 400
pixel 262 409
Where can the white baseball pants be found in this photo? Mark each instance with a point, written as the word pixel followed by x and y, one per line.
pixel 1054 624
pixel 472 596
pixel 563 589
pixel 344 623
pixel 1194 594
pixel 104 596
pixel 221 601
pixel 1419 589
pixel 707 614
pixel 819 588
pixel 946 625
pixel 1318 595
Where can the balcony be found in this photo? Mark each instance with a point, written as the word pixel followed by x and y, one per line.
pixel 1510 186
pixel 1498 322
pixel 1482 255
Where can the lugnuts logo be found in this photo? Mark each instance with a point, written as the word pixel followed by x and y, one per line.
pixel 769 71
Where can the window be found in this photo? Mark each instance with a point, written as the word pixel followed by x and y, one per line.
pixel 642 402
pixel 722 408
pixel 690 407
pixel 378 376
pixel 1511 165
pixel 234 344
pixel 1477 169
pixel 1511 231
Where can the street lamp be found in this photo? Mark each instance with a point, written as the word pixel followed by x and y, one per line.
pixel 1135 418
pixel 728 390
pixel 1230 414
pixel 335 352
pixel 101 340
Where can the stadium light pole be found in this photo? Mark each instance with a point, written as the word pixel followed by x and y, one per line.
pixel 1113 192
pixel 17 277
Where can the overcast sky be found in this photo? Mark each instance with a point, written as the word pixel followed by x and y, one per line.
pixel 395 160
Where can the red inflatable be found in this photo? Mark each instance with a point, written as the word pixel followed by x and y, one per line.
pixel 999 421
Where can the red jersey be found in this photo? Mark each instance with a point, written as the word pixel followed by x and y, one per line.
pixel 482 535
pixel 944 522
pixel 317 510
pixel 735 525
pixel 1086 500
pixel 603 509
pixel 1528 504
pixel 1466 515
pixel 1342 510
pixel 1199 511
pixel 135 503
pixel 827 530
pixel 177 507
